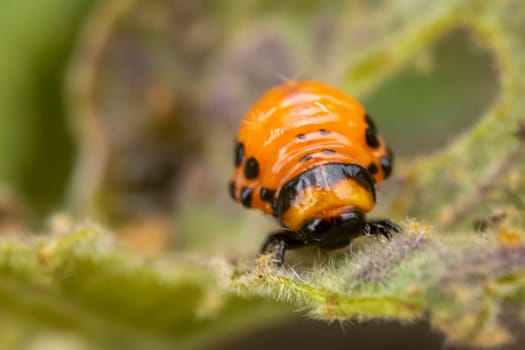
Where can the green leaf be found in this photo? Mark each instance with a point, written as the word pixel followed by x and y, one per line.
pixel 79 282
pixel 460 281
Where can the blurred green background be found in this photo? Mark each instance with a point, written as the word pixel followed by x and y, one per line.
pixel 124 111
pixel 36 42
pixel 432 100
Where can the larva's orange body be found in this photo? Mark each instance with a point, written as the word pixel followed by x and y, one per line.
pixel 311 156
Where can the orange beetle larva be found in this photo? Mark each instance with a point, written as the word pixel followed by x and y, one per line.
pixel 311 156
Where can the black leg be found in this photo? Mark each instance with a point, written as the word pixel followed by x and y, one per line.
pixel 280 242
pixel 331 233
pixel 381 227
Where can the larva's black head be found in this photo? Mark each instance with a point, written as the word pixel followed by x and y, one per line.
pixel 334 232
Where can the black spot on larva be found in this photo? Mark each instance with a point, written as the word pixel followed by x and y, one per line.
pixel 231 188
pixel 266 194
pixel 372 168
pixel 386 165
pixel 276 206
pixel 305 158
pixel 324 131
pixel 371 137
pixel 301 136
pixel 328 151
pixel 370 122
pixel 239 154
pixel 251 168
pixel 246 196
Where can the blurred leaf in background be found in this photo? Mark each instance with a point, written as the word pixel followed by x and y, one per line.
pixel 36 39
